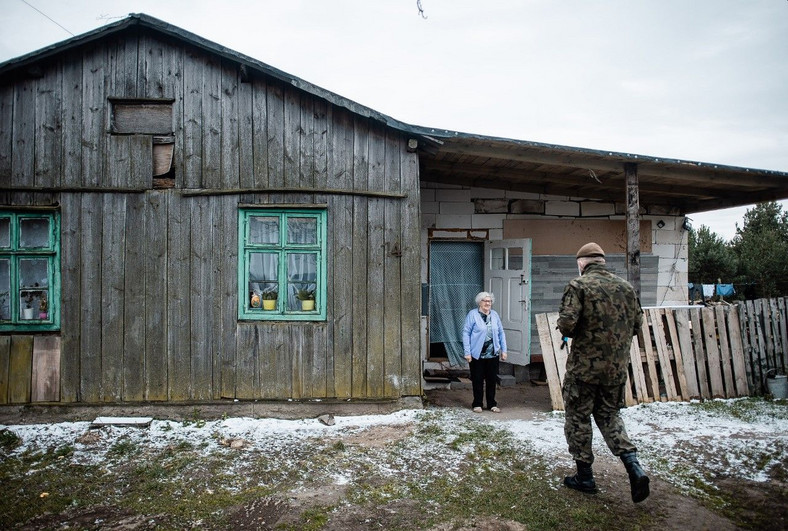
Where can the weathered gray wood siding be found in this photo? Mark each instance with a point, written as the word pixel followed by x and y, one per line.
pixel 149 277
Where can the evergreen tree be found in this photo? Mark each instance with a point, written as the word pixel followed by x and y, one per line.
pixel 761 245
pixel 709 257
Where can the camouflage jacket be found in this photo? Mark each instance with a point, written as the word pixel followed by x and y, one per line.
pixel 601 312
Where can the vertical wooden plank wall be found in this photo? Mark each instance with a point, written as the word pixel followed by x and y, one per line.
pixel 149 299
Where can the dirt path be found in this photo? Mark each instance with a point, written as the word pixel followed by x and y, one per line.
pixel 671 509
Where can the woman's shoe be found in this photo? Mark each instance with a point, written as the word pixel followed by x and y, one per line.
pixel 495 409
pixel 477 410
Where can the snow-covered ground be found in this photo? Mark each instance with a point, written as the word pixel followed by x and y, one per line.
pixel 741 437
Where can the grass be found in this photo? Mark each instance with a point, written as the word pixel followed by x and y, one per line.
pixel 447 468
pixel 745 409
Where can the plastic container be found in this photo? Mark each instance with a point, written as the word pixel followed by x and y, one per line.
pixel 777 384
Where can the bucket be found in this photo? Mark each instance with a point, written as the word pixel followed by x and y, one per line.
pixel 777 385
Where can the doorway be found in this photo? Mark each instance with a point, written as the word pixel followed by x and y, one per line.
pixel 456 275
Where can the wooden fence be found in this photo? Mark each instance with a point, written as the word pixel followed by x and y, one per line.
pixel 690 352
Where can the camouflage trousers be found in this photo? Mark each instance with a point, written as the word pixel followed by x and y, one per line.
pixel 581 400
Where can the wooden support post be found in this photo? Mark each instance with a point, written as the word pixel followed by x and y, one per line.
pixel 633 225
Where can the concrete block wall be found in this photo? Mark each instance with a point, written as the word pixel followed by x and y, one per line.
pixel 484 210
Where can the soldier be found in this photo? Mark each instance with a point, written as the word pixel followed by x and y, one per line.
pixel 601 312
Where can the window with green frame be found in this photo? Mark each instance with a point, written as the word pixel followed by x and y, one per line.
pixel 282 264
pixel 29 270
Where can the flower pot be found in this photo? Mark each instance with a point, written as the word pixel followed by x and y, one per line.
pixel 269 304
pixel 28 313
pixel 307 305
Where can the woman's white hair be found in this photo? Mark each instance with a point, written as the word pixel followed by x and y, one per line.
pixel 483 295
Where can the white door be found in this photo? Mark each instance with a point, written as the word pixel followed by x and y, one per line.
pixel 507 275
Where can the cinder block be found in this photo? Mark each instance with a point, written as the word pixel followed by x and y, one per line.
pixel 463 383
pixel 507 380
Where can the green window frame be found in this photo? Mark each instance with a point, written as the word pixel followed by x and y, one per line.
pixel 282 264
pixel 29 271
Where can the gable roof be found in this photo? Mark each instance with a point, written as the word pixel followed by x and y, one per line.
pixel 678 186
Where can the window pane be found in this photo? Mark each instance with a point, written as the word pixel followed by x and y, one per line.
pixel 264 230
pixel 5 232
pixel 302 230
pixel 5 289
pixel 301 278
pixel 33 273
pixel 34 233
pixel 263 282
pixel 497 258
pixel 515 258
pixel 33 276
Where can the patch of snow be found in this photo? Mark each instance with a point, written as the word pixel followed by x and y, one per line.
pixel 672 438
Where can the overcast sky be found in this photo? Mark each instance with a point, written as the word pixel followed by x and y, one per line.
pixel 702 80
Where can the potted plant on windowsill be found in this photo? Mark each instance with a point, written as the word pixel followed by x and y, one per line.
pixel 43 306
pixel 269 299
pixel 307 298
pixel 28 312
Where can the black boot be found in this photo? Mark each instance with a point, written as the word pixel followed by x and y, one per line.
pixel 638 480
pixel 583 480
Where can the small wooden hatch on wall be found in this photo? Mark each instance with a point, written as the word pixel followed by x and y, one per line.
pixel 148 117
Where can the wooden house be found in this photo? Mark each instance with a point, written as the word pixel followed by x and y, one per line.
pixel 188 224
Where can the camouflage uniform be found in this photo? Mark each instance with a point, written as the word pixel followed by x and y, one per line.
pixel 601 312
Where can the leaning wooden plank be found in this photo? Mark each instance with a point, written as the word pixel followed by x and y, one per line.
pixel 651 365
pixel 776 336
pixel 629 399
pixel 560 353
pixel 737 354
pixel 665 366
pixel 768 332
pixel 135 422
pixel 699 353
pixel 749 340
pixel 783 311
pixel 725 352
pixel 747 347
pixel 710 342
pixel 548 354
pixel 637 371
pixel 20 368
pixel 681 316
pixel 761 352
pixel 670 316
pixel 46 369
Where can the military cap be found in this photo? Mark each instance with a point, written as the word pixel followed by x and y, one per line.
pixel 590 249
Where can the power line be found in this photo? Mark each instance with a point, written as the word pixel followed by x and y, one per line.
pixel 47 16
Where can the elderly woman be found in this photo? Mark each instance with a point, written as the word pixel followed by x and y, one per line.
pixel 483 340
